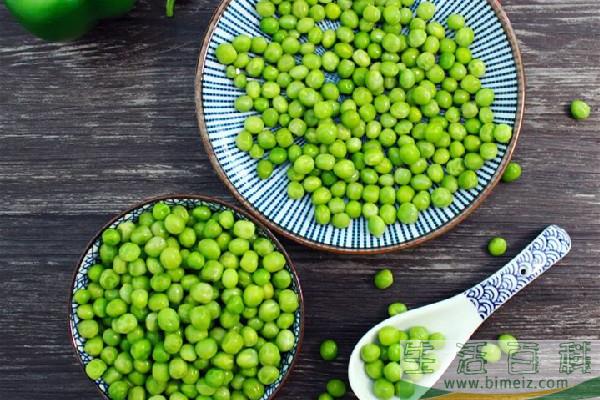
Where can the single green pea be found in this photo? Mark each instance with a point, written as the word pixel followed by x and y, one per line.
pixel 328 350
pixel 226 53
pixel 383 388
pixel 508 343
pixel 404 389
pixel 95 369
pixel 376 225
pixel 370 352
pixel 374 369
pixel 488 151
pixel 468 180
pixel 455 21
pixel 441 197
pixel 580 110
pixel 396 308
pixel 88 329
pixel 388 335
pixel 383 279
pixel 336 388
pixel 408 213
pixel 502 133
pixel 512 172
pixel 497 246
pixel 491 353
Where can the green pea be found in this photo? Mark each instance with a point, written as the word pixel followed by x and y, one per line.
pixel 226 53
pixel 497 246
pixel 404 389
pixel 396 308
pixel 450 183
pixel 488 151
pixel 383 389
pixel 491 353
pixel 468 180
pixel 329 350
pixel 95 369
pixel 437 340
pixel 168 320
pixel 441 197
pixel 512 172
pixel 88 329
pixel 336 388
pixel 383 279
pixel 408 213
pixel 508 343
pixel 376 226
pixel 580 110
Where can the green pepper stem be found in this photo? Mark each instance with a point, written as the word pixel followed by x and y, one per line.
pixel 170 8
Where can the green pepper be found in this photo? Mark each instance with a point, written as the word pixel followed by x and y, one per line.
pixel 169 8
pixel 58 20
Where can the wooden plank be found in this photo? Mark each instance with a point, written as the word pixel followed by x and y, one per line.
pixel 89 128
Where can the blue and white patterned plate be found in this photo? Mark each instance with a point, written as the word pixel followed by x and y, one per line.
pixel 90 257
pixel 267 199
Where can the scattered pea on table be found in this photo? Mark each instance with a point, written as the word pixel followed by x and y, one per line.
pixel 508 343
pixel 580 110
pixel 328 350
pixel 383 279
pixel 497 246
pixel 336 388
pixel 491 353
pixel 396 308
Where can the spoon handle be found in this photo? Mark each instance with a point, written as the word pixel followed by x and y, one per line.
pixel 546 250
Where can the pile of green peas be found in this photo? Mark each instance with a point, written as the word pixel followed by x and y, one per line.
pixel 187 303
pixel 399 359
pixel 405 125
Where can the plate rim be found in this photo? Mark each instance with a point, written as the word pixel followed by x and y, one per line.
pixel 521 81
pixel 207 199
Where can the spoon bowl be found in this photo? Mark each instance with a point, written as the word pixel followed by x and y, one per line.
pixel 438 317
pixel 458 317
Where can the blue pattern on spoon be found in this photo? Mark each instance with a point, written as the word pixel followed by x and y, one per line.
pixel 545 251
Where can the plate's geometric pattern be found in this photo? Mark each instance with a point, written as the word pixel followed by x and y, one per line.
pixel 269 197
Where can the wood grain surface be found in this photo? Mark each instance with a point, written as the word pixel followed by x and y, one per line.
pixel 91 127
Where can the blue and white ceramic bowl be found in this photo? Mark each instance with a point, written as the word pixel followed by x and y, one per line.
pixel 219 124
pixel 90 257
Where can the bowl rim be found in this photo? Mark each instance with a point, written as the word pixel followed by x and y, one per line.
pixel 207 199
pixel 521 81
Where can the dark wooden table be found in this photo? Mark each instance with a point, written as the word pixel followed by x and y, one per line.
pixel 89 128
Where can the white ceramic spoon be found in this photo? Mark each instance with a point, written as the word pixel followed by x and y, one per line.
pixel 458 317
